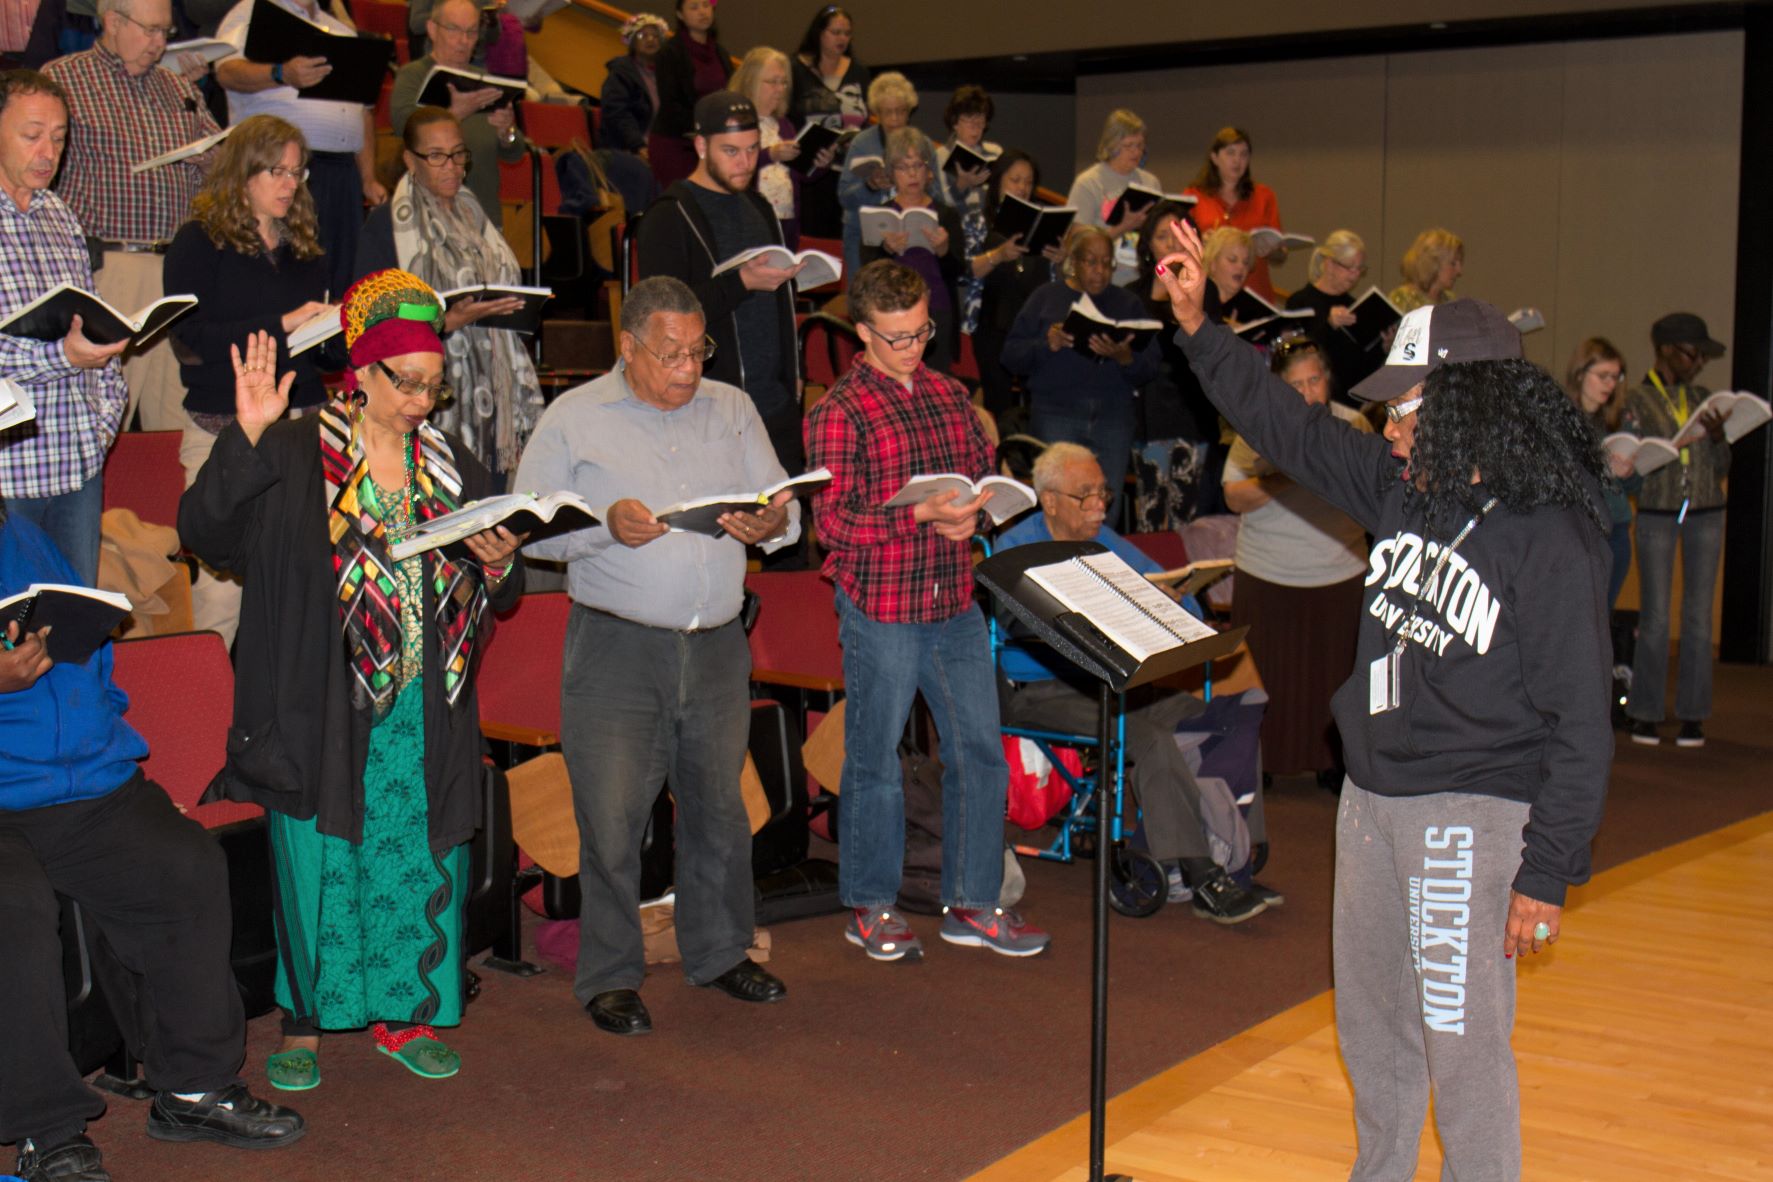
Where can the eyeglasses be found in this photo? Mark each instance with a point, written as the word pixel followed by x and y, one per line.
pixel 1607 377
pixel 911 166
pixel 279 173
pixel 682 356
pixel 1089 494
pixel 908 340
pixel 164 32
pixel 1399 411
pixel 456 29
pixel 438 391
pixel 438 158
pixel 1360 270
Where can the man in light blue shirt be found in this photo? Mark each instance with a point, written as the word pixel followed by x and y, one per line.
pixel 656 683
pixel 1046 692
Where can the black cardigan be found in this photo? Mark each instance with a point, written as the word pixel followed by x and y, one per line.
pixel 297 746
pixel 675 239
pixel 675 76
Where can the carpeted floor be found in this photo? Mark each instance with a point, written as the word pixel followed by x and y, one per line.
pixel 880 1072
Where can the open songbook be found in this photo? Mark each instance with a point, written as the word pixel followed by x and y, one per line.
pixel 702 515
pixel 1374 314
pixel 527 319
pixel 1747 411
pixel 50 316
pixel 1122 604
pixel 1646 453
pixel 1008 497
pixel 1040 226
pixel 210 49
pixel 959 156
pixel 191 150
pixel 359 62
pixel 1196 576
pixel 80 619
pixel 820 269
pixel 521 513
pixel 1085 320
pixel 15 405
pixel 322 327
pixel 435 91
pixel 1265 240
pixel 814 138
pixel 1526 320
pixel 1137 199
pixel 916 224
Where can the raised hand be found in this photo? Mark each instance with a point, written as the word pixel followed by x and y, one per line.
pixel 1184 276
pixel 260 398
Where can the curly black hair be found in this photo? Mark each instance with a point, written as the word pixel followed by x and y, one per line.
pixel 1512 422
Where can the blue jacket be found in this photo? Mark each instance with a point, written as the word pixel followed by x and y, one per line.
pixel 1066 377
pixel 64 739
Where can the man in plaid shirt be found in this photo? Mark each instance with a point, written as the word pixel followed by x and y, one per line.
pixel 50 468
pixel 124 109
pixel 908 622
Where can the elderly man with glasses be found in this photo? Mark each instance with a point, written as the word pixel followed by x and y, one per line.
pixel 124 109
pixel 657 669
pixel 1047 693
pixel 489 124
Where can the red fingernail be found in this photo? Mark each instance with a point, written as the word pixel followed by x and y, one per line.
pixel 1162 270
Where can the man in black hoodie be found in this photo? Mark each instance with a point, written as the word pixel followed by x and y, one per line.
pixel 700 223
pixel 1475 723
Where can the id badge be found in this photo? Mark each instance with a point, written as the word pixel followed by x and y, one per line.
pixel 1384 688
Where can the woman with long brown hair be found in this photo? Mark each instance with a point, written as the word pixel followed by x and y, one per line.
pixel 251 255
pixel 1227 194
pixel 1595 381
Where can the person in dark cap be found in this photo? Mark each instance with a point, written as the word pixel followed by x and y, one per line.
pixel 699 223
pixel 1682 501
pixel 1475 725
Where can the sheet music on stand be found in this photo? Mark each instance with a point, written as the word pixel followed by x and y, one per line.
pixel 1125 605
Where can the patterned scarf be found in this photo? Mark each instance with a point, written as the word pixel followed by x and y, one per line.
pixel 369 598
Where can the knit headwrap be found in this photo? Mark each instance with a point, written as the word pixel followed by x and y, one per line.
pixel 389 314
pixel 640 20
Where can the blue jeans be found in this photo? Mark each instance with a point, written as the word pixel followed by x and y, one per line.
pixel 1104 425
pixel 1702 541
pixel 884 666
pixel 71 520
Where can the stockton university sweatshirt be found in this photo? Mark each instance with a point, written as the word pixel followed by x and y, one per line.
pixel 1506 676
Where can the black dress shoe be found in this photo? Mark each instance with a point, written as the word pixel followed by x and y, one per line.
pixel 750 981
pixel 620 1011
pixel 74 1160
pixel 230 1115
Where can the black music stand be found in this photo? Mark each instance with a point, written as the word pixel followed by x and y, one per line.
pixel 1072 636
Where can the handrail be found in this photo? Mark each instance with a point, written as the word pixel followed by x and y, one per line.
pixel 610 12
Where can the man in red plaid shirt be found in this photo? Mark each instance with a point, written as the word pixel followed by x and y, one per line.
pixel 908 622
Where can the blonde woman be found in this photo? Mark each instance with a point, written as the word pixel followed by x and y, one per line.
pixel 765 78
pixel 891 100
pixel 1336 266
pixel 251 255
pixel 1430 268
pixel 1120 152
pixel 1227 254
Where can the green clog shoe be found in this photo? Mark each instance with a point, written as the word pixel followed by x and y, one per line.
pixel 418 1049
pixel 293 1071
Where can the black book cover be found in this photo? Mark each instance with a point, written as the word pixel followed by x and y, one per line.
pixel 79 619
pixel 1373 315
pixel 51 316
pixel 359 63
pixel 527 319
pixel 1040 226
pixel 441 78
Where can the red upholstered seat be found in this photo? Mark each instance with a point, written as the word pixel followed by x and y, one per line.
pixel 517 183
pixel 794 642
pixel 519 680
pixel 143 474
pixel 827 346
pixel 181 700
pixel 1165 547
pixel 386 20
pixel 555 125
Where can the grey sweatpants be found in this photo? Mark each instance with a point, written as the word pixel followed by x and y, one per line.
pixel 1424 996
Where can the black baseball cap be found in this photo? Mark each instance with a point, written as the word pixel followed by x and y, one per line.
pixel 1430 337
pixel 1684 328
pixel 724 111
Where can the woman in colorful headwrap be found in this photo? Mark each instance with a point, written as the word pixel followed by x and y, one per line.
pixel 631 85
pixel 355 722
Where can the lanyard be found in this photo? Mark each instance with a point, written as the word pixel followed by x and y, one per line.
pixel 1434 577
pixel 1680 414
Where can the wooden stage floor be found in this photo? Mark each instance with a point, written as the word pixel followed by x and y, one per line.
pixel 1645 1043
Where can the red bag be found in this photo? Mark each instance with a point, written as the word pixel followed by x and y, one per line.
pixel 1037 790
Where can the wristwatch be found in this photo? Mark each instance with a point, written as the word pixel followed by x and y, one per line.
pixel 277 73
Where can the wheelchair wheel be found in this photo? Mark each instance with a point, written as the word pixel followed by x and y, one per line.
pixel 1137 884
pixel 1258 857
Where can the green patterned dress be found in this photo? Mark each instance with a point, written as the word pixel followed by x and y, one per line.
pixel 372 932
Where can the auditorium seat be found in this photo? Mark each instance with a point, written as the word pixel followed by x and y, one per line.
pixel 143 474
pixel 519 680
pixel 555 125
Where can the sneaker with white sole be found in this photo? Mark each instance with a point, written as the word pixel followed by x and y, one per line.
pixel 883 934
pixel 998 928
pixel 1691 734
pixel 1645 733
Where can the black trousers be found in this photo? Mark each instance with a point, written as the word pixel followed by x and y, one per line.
pixel 337 189
pixel 156 885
